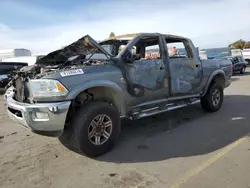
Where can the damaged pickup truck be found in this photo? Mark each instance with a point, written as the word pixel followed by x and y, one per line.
pixel 87 87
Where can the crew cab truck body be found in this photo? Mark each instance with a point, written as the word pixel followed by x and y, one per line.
pixel 90 96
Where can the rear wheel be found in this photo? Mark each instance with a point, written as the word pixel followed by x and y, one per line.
pixel 243 70
pixel 248 61
pixel 213 99
pixel 96 127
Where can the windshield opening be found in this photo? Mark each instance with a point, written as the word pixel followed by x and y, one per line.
pixel 115 46
pixel 100 55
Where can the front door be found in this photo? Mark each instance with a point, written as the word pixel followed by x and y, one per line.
pixel 146 73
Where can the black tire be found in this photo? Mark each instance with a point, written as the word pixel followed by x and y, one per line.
pixel 207 101
pixel 81 126
pixel 248 61
pixel 243 70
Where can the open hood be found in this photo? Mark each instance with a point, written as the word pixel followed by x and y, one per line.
pixel 83 46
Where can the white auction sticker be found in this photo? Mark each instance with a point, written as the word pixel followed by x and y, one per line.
pixel 71 72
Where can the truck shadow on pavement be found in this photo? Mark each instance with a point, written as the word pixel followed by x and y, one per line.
pixel 237 76
pixel 247 73
pixel 182 133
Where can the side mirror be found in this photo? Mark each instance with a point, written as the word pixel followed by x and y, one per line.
pixel 129 57
pixel 136 57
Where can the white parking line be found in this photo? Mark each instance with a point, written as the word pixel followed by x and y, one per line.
pixel 207 163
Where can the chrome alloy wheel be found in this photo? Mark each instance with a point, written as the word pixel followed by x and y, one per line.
pixel 100 129
pixel 216 97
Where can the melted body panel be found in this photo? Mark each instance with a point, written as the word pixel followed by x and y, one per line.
pixel 186 76
pixel 149 74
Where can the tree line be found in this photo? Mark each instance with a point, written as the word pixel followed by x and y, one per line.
pixel 240 44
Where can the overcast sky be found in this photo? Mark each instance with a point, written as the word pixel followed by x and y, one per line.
pixel 46 25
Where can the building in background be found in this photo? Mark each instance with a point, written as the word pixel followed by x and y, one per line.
pixel 217 52
pixel 10 53
pixel 19 55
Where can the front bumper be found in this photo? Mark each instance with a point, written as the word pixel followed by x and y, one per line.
pixel 41 118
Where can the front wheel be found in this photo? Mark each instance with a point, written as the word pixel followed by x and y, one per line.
pixel 213 99
pixel 96 127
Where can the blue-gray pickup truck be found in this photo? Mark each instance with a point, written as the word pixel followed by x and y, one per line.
pixel 88 86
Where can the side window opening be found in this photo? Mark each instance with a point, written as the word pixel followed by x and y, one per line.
pixel 147 48
pixel 153 52
pixel 178 49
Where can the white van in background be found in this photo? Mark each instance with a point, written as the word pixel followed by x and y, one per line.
pixel 236 52
pixel 246 55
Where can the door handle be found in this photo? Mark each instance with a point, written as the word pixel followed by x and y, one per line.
pixel 161 68
pixel 197 65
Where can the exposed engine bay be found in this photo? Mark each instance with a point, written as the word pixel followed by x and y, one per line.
pixel 37 71
pixel 77 54
pixel 19 79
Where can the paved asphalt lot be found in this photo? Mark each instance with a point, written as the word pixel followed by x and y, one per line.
pixel 185 148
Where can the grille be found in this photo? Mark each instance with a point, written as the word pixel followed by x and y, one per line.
pixel 19 92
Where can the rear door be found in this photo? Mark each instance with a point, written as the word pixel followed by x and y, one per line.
pixel 185 67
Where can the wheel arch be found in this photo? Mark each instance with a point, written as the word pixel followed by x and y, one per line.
pixel 102 90
pixel 217 76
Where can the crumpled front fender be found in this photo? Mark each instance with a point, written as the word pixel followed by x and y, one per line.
pixel 119 98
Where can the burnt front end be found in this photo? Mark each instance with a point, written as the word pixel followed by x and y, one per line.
pixel 20 89
pixel 37 99
pixel 45 118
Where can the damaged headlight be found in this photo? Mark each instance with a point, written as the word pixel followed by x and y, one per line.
pixel 47 88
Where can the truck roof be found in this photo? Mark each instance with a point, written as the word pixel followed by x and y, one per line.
pixel 122 37
pixel 130 36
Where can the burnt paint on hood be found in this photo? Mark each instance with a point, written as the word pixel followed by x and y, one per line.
pixel 83 46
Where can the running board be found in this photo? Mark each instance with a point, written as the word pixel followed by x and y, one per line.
pixel 158 110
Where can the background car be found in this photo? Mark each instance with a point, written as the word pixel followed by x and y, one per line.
pixel 5 69
pixel 239 65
